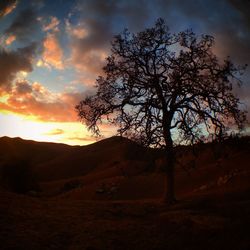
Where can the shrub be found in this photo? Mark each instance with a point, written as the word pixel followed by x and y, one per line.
pixel 17 176
pixel 72 184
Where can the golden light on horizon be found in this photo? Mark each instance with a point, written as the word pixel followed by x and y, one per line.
pixel 72 133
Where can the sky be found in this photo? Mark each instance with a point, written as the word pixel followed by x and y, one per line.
pixel 51 53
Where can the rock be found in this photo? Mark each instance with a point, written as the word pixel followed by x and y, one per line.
pixel 33 193
pixel 100 191
pixel 225 179
pixel 204 187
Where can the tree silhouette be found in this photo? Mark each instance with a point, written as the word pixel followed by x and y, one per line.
pixel 158 85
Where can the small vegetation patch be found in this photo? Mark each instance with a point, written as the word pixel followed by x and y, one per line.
pixel 18 177
pixel 70 185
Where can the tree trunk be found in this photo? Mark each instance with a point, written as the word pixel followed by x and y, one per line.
pixel 169 196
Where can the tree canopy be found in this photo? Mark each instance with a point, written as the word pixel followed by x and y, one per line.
pixel 156 81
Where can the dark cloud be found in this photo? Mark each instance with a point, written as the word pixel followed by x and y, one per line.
pixel 244 7
pixel 227 20
pixel 103 19
pixel 23 87
pixel 100 21
pixel 12 62
pixel 239 39
pixel 6 7
pixel 24 26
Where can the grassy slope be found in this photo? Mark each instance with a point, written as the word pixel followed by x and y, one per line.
pixel 213 212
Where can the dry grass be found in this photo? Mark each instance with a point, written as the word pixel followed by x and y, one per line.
pixel 110 210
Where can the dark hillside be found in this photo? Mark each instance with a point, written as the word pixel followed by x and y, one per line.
pixel 97 156
pixel 32 151
pixel 108 196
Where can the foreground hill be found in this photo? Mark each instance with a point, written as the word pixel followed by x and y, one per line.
pixel 119 169
pixel 108 196
pixel 50 162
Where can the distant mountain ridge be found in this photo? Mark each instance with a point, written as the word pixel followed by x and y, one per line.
pixel 54 161
pixel 33 151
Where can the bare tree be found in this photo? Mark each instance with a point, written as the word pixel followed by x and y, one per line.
pixel 158 85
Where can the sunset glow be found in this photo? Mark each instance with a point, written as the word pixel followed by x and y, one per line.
pixel 72 133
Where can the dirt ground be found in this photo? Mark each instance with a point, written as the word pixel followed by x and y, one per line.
pixel 200 222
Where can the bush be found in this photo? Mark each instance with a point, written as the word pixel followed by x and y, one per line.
pixel 17 176
pixel 72 184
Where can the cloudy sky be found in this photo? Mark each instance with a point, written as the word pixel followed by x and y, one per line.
pixel 51 52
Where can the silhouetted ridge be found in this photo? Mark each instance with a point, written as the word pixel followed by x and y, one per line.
pixel 100 155
pixel 33 152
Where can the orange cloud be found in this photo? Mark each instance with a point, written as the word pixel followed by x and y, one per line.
pixel 88 64
pixel 52 54
pixel 10 40
pixel 48 116
pixel 35 100
pixel 78 31
pixel 7 7
pixel 91 61
pixel 56 131
pixel 52 25
pixel 88 60
pixel 86 139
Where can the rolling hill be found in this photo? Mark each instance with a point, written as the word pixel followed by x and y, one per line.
pixel 117 168
pixel 108 196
